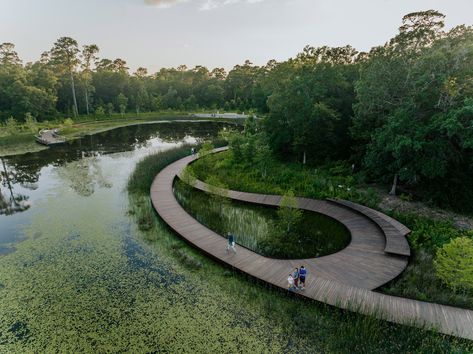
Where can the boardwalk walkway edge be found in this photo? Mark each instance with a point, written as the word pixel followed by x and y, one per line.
pixel 329 285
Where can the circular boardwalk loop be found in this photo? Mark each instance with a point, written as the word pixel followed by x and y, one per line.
pixel 376 254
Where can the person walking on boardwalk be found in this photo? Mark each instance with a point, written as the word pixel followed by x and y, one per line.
pixel 295 275
pixel 302 275
pixel 290 282
pixel 231 243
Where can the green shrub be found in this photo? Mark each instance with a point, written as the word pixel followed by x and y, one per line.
pixel 100 111
pixel 289 215
pixel 68 122
pixel 31 123
pixel 206 149
pixel 454 264
pixel 428 234
pixel 11 126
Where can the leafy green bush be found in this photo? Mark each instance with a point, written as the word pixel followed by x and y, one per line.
pixel 11 126
pixel 31 123
pixel 428 234
pixel 454 264
pixel 68 122
pixel 100 111
pixel 289 215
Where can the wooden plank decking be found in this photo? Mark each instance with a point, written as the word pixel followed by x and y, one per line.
pixel 49 137
pixel 344 279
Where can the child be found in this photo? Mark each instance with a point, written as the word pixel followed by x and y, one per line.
pixel 290 281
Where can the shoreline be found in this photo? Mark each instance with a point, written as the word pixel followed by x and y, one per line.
pixel 79 130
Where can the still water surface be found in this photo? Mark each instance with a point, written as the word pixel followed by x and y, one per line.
pixel 76 276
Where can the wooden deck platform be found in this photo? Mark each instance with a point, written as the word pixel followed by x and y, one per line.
pixel 345 279
pixel 49 137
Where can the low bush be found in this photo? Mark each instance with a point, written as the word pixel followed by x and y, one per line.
pixel 454 264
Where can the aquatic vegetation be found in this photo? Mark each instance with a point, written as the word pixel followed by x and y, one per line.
pixel 86 279
pixel 259 228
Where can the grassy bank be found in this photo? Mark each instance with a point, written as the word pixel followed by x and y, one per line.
pixel 296 325
pixel 418 281
pixel 22 139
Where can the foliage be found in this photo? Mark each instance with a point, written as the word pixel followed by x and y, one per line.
pixel 147 169
pixel 11 126
pixel 454 263
pixel 318 328
pixel 100 111
pixel 403 111
pixel 257 227
pixel 68 122
pixel 31 123
pixel 428 234
pixel 289 215
pixel 206 149
pixel 280 177
pixel 188 176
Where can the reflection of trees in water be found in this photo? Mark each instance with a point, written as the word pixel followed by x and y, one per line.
pixel 84 176
pixel 25 169
pixel 10 202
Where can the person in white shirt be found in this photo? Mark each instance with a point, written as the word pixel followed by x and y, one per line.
pixel 290 281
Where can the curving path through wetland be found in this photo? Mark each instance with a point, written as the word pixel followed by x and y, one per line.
pixel 376 254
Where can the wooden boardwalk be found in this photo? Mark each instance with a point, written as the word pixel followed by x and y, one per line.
pixel 345 279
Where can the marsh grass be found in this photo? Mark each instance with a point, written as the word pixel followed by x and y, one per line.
pixel 145 171
pixel 257 227
pixel 330 181
pixel 418 281
pixel 295 325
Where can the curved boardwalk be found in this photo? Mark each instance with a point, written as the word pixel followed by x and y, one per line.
pixel 344 279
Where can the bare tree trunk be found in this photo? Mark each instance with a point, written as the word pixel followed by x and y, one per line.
pixel 394 187
pixel 304 158
pixel 86 99
pixel 76 110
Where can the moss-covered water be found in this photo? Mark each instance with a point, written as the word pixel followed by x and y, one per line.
pixel 79 278
pixel 254 226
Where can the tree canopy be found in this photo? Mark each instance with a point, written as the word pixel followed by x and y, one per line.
pixel 402 111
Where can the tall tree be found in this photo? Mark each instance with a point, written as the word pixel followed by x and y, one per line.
pixel 8 55
pixel 65 54
pixel 89 55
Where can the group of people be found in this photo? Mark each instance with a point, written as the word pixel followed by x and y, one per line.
pixel 296 279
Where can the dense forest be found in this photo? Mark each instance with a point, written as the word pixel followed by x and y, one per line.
pixel 401 113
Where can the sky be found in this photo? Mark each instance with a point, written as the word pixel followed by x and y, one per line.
pixel 213 33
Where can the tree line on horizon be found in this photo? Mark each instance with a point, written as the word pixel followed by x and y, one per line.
pixel 402 112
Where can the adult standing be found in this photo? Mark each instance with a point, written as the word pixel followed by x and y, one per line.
pixel 302 276
pixel 295 275
pixel 231 243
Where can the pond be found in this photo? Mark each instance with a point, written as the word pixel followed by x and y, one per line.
pixel 75 274
pixel 258 227
pixel 78 276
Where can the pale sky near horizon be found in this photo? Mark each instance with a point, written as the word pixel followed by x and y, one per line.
pixel 214 33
